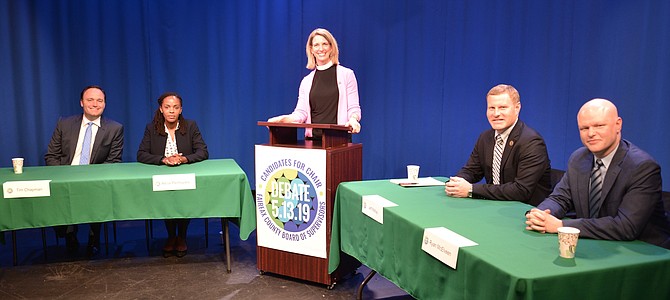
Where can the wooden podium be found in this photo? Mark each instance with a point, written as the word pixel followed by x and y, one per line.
pixel 343 163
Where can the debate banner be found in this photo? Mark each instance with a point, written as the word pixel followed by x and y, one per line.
pixel 291 199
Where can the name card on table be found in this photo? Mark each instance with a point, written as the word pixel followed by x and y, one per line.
pixel 443 244
pixel 26 189
pixel 373 207
pixel 173 182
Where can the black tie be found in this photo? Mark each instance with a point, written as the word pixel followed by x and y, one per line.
pixel 595 199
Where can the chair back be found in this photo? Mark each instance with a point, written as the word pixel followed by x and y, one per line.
pixel 556 176
pixel 666 204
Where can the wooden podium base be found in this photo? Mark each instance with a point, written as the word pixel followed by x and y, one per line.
pixel 304 267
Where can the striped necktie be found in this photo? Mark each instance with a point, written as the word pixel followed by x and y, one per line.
pixel 86 146
pixel 497 157
pixel 595 192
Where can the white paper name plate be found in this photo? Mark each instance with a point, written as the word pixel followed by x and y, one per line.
pixel 173 182
pixel 443 244
pixel 373 207
pixel 26 189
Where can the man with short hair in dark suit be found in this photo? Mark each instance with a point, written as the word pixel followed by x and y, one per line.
pixel 511 156
pixel 613 186
pixel 85 139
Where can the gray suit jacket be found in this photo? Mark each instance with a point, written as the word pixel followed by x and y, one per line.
pixel 632 207
pixel 107 147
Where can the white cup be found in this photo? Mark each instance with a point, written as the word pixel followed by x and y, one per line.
pixel 567 241
pixel 413 172
pixel 17 163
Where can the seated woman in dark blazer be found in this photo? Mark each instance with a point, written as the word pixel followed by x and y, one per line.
pixel 172 140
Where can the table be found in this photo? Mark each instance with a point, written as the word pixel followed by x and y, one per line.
pixel 123 191
pixel 509 262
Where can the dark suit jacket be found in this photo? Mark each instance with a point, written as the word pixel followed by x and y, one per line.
pixel 189 144
pixel 525 167
pixel 632 206
pixel 107 147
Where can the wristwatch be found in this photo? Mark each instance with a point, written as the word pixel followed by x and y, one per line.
pixel 470 193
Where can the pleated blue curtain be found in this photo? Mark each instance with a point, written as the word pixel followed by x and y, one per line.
pixel 423 69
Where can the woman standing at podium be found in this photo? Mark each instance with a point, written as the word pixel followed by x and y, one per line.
pixel 172 140
pixel 328 94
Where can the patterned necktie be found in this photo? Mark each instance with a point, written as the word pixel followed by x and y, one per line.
pixel 86 146
pixel 595 199
pixel 497 157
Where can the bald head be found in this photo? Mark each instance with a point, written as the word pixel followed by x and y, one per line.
pixel 599 126
pixel 601 105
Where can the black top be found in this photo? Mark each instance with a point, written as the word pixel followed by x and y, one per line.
pixel 323 98
pixel 190 144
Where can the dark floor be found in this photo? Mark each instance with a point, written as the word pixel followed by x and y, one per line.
pixel 131 272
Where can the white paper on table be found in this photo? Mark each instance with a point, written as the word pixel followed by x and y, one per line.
pixel 373 207
pixel 425 181
pixel 443 244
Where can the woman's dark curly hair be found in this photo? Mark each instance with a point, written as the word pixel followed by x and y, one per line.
pixel 159 120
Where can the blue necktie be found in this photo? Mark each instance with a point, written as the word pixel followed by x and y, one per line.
pixel 86 146
pixel 595 193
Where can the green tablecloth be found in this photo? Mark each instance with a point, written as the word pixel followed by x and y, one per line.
pixel 123 191
pixel 508 263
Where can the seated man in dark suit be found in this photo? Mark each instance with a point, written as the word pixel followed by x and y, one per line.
pixel 511 156
pixel 613 186
pixel 81 140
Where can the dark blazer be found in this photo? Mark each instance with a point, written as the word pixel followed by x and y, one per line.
pixel 107 147
pixel 632 207
pixel 189 144
pixel 525 167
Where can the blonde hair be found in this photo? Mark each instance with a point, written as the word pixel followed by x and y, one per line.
pixel 505 89
pixel 334 53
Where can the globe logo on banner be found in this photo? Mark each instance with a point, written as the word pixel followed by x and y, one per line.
pixel 291 200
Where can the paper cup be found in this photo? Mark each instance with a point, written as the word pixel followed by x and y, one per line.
pixel 413 172
pixel 17 163
pixel 567 241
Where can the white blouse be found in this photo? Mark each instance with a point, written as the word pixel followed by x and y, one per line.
pixel 171 145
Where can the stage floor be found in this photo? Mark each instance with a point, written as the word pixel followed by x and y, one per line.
pixel 131 272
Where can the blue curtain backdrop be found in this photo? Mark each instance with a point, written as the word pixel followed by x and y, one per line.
pixel 423 70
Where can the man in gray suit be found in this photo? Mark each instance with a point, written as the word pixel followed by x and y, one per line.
pixel 613 186
pixel 85 139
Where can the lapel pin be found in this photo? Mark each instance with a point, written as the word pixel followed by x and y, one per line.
pixel 511 143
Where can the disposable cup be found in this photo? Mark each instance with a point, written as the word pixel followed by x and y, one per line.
pixel 413 172
pixel 17 163
pixel 567 241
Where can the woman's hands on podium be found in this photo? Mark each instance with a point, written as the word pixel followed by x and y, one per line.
pixel 282 119
pixel 353 123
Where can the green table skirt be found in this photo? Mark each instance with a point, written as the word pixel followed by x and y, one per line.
pixel 123 191
pixel 509 262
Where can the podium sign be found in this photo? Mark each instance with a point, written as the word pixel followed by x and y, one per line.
pixel 296 181
pixel 291 199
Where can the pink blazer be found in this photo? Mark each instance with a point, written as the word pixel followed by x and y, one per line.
pixel 347 104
